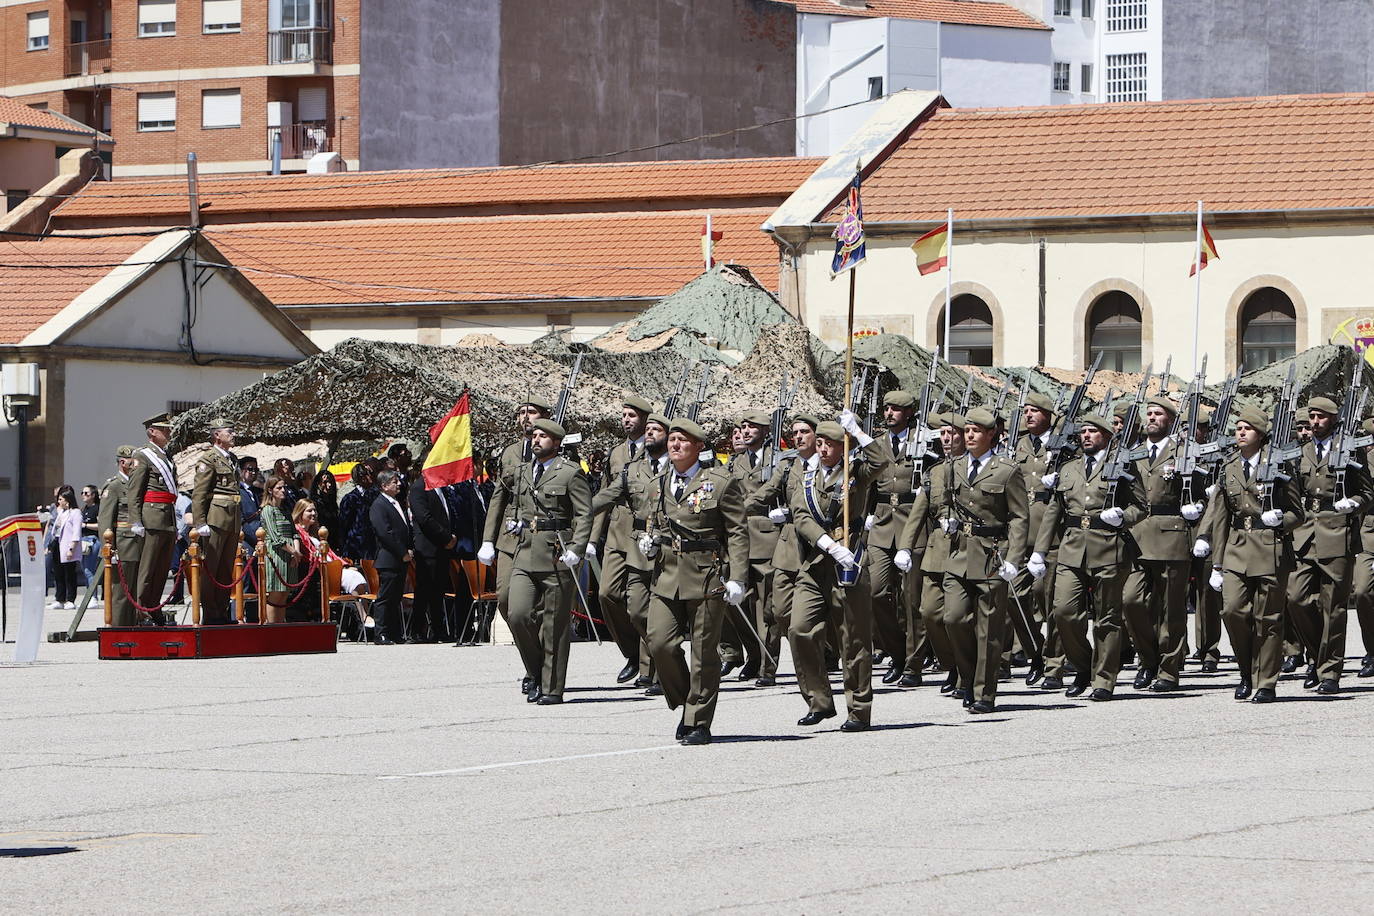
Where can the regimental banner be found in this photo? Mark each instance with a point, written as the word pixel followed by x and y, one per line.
pixel 27 532
pixel 1357 332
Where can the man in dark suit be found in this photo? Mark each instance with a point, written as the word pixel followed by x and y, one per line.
pixel 394 550
pixel 434 546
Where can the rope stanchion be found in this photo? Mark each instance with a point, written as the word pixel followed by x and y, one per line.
pixel 193 551
pixel 240 570
pixel 324 576
pixel 107 554
pixel 260 561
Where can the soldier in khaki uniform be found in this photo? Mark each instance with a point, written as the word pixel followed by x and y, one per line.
pixel 553 502
pixel 772 500
pixel 151 493
pixel 114 516
pixel 1323 544
pixel 1035 594
pixel 926 541
pixel 699 543
pixel 1245 533
pixel 752 465
pixel 1364 575
pixel 1094 554
pixel 618 534
pixel 1154 602
pixel 215 514
pixel 987 547
pixel 634 489
pixel 817 500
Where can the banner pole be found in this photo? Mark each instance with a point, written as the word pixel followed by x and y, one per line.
pixel 949 273
pixel 1197 285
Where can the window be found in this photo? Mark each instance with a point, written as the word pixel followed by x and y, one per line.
pixel 1114 331
pixel 1085 78
pixel 312 104
pixel 38 31
pixel 221 16
pixel 14 197
pixel 1126 15
pixel 1087 9
pixel 1063 7
pixel 1268 329
pixel 875 87
pixel 157 111
pixel 297 14
pixel 221 108
pixel 970 331
pixel 1126 77
pixel 157 17
pixel 1061 76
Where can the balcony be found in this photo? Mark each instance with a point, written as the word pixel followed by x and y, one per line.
pixel 87 57
pixel 301 46
pixel 301 141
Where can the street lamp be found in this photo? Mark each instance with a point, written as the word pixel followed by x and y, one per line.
pixel 22 390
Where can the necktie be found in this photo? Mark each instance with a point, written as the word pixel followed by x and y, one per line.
pixel 1036 445
pixel 972 469
pixel 538 473
pixel 753 459
pixel 1245 468
pixel 1154 450
pixel 896 445
pixel 1320 450
pixel 1088 466
pixel 679 485
pixel 633 450
pixel 654 463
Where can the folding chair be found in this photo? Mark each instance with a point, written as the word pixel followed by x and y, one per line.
pixel 481 582
pixel 333 585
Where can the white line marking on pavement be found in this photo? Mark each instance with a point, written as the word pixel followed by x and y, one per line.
pixel 526 763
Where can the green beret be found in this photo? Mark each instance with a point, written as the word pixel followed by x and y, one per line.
pixel 807 419
pixel 899 398
pixel 161 419
pixel 1160 400
pixel 953 418
pixel 756 417
pixel 124 451
pixel 219 423
pixel 1120 410
pixel 550 427
pixel 687 428
pixel 658 418
pixel 1204 416
pixel 533 400
pixel 1095 419
pixel 1255 417
pixel 981 416
pixel 638 403
pixel 1040 402
pixel 1325 405
pixel 830 430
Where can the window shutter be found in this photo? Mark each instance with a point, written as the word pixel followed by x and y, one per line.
pixel 157 106
pixel 151 11
pixel 221 107
pixel 313 104
pixel 38 26
pixel 223 13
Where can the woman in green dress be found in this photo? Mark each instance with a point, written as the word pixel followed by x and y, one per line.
pixel 282 548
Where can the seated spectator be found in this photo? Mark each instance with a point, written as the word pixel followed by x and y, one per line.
pixel 357 541
pixel 305 605
pixel 250 501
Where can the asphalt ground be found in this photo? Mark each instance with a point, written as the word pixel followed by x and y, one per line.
pixel 416 778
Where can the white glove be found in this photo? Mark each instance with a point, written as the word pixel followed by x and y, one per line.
pixel 138 530
pixel 1346 505
pixel 1191 511
pixel 870 522
pixel 1036 565
pixel 1201 548
pixel 1049 480
pixel 486 554
pixel 849 422
pixel 777 516
pixel 512 526
pixel 570 558
pixel 1113 516
pixel 1007 572
pixel 204 531
pixel 1212 491
pixel 841 554
pixel 734 593
pixel 949 525
pixel 903 560
pixel 1272 517
pixel 591 551
pixel 1215 580
pixel 647 547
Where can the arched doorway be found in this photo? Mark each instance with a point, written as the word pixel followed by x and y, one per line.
pixel 970 331
pixel 1114 330
pixel 1268 329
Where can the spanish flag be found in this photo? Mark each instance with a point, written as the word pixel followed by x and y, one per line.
pixel 450 458
pixel 932 250
pixel 1208 249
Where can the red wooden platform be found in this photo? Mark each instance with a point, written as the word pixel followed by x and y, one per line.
pixel 218 641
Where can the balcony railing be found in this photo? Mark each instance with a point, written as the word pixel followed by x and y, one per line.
pixel 87 57
pixel 301 141
pixel 300 46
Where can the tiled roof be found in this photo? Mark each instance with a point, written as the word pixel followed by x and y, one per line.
pixel 961 12
pixel 40 278
pixel 574 256
pixel 614 184
pixel 1252 154
pixel 13 111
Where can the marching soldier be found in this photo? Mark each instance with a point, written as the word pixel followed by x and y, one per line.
pixel 553 524
pixel 1154 601
pixel 114 516
pixel 895 595
pixel 634 489
pixel 698 542
pixel 822 594
pixel 1364 575
pixel 1094 556
pixel 215 513
pixel 987 547
pixel 1245 533
pixel 152 494
pixel 755 461
pixel 1131 437
pixel 1035 594
pixel 1206 601
pixel 616 531
pixel 1323 544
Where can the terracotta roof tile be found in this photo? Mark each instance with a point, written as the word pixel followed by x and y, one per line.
pixel 1254 154
pixel 13 111
pixel 40 278
pixel 616 184
pixel 960 12
pixel 575 256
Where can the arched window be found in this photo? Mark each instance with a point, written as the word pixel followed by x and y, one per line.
pixel 1268 328
pixel 970 331
pixel 1114 331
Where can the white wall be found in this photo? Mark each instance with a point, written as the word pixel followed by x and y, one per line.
pixel 987 67
pixel 1150 41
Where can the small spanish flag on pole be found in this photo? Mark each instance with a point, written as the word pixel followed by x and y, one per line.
pixel 1206 249
pixel 450 458
pixel 709 237
pixel 932 250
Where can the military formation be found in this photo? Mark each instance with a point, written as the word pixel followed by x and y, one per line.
pixel 945 538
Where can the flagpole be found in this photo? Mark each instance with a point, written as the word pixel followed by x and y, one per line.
pixel 949 272
pixel 1197 285
pixel 709 249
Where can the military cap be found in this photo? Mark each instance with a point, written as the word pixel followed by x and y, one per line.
pixel 1120 410
pixel 658 418
pixel 899 398
pixel 980 416
pixel 953 418
pixel 219 423
pixel 756 417
pixel 638 403
pixel 831 430
pixel 534 400
pixel 161 419
pixel 1204 416
pixel 1040 402
pixel 124 451
pixel 807 419
pixel 687 428
pixel 1255 417
pixel 550 427
pixel 1096 419
pixel 1368 425
pixel 1325 405
pixel 1160 400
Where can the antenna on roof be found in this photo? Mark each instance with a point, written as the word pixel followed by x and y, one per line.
pixel 193 189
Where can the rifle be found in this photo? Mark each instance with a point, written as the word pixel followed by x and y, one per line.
pixel 675 399
pixel 1058 444
pixel 1115 468
pixel 1164 376
pixel 1215 448
pixel 1187 450
pixel 694 408
pixel 1343 450
pixel 1002 397
pixel 944 390
pixel 873 401
pixel 560 410
pixel 775 427
pixel 1014 429
pixel 923 410
pixel 968 395
pixel 1109 403
pixel 1281 446
pixel 856 388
